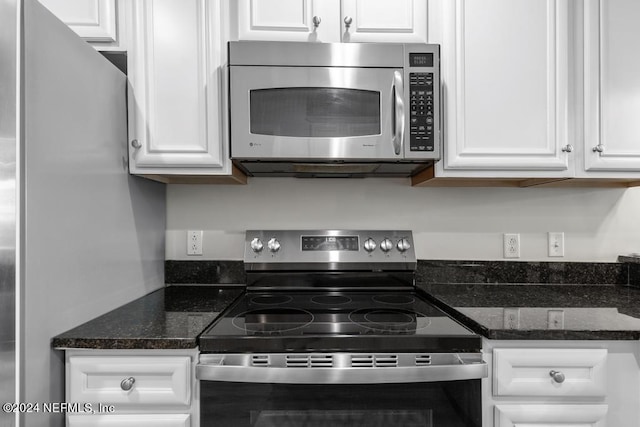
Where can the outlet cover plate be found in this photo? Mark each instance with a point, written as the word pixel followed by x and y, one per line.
pixel 194 242
pixel 511 245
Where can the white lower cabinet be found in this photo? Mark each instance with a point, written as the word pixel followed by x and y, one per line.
pixel 561 383
pixel 550 415
pixel 132 388
pixel 150 420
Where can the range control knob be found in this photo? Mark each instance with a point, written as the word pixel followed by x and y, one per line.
pixel 256 245
pixel 386 245
pixel 273 244
pixel 370 245
pixel 403 245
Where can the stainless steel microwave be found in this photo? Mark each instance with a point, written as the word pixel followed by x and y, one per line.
pixel 334 109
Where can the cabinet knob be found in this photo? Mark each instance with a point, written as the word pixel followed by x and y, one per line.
pixel 598 148
pixel 136 144
pixel 316 21
pixel 557 376
pixel 567 148
pixel 347 21
pixel 127 383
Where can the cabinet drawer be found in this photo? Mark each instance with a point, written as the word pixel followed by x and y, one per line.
pixel 527 372
pixel 550 415
pixel 142 420
pixel 157 380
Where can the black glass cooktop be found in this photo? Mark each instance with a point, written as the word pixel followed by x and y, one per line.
pixel 335 322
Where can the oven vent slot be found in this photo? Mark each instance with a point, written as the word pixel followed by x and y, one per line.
pixel 423 359
pixel 309 361
pixel 371 360
pixel 385 361
pixel 260 360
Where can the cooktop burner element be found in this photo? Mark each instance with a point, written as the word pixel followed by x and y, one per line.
pixel 398 299
pixel 272 320
pixel 331 299
pixel 270 299
pixel 333 291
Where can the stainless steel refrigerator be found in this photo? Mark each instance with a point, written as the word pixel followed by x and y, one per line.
pixel 79 236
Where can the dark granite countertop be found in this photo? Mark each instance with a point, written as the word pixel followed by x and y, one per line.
pixel 169 318
pixel 542 311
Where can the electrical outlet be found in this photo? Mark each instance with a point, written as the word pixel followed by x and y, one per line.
pixel 194 242
pixel 511 245
pixel 511 318
pixel 556 244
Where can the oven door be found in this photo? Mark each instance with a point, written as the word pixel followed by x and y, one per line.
pixel 316 113
pixel 323 390
pixel 433 404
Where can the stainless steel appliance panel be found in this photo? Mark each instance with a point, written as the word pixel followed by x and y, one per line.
pixel 8 203
pixel 334 109
pixel 292 54
pixel 330 135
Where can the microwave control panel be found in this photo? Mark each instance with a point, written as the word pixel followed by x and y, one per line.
pixel 422 116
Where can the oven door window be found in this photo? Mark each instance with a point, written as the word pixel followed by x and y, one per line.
pixel 438 404
pixel 315 112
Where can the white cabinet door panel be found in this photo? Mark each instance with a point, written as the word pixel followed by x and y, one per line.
pixel 505 71
pixel 398 21
pixel 146 420
pixel 288 20
pixel 550 415
pixel 526 372
pixel 176 79
pixel 93 20
pixel 158 380
pixel 612 85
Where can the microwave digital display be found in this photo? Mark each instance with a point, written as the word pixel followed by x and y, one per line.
pixel 421 59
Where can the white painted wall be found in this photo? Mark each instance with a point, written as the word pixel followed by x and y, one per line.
pixel 448 223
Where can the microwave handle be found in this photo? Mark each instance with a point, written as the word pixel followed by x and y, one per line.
pixel 398 113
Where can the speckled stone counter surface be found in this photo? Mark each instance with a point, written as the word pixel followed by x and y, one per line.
pixel 542 311
pixel 169 318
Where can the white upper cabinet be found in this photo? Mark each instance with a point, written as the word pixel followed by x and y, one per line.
pixel 611 86
pixel 177 120
pixel 99 22
pixel 401 21
pixel 505 84
pixel 288 20
pixel 398 21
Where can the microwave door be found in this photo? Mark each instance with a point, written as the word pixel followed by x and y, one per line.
pixel 316 113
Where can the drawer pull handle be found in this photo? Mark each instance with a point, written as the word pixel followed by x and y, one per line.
pixel 127 383
pixel 557 376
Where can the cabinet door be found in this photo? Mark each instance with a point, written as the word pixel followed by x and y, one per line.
pixel 93 20
pixel 398 21
pixel 505 85
pixel 176 95
pixel 163 381
pixel 612 85
pixel 586 415
pixel 526 372
pixel 142 420
pixel 289 20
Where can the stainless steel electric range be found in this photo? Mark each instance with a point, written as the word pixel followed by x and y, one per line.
pixel 332 332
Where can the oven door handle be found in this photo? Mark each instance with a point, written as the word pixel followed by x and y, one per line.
pixel 398 113
pixel 212 371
